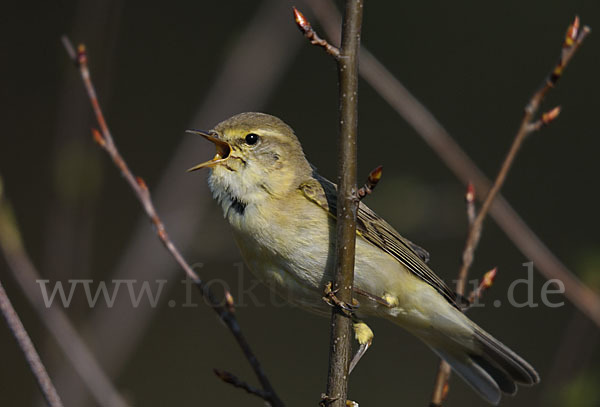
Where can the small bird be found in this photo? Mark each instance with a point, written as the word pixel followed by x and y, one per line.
pixel 283 215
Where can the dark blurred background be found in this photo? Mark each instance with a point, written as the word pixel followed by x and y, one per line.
pixel 163 67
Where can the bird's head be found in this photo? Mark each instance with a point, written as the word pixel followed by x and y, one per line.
pixel 258 157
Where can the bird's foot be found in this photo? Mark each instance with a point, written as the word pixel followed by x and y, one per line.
pixel 329 296
pixel 364 335
pixel 387 300
pixel 327 400
pixel 391 301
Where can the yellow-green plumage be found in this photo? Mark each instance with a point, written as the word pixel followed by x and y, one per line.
pixel 282 214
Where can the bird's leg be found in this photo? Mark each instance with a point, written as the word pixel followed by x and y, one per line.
pixel 362 332
pixel 364 336
pixel 326 401
pixel 330 298
pixel 390 300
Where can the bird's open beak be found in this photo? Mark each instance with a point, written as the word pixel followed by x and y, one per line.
pixel 223 150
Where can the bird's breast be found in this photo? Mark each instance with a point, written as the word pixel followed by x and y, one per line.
pixel 287 246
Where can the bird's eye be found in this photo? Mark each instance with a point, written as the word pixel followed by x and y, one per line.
pixel 251 138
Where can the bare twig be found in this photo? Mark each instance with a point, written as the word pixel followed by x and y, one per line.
pixel 33 358
pixel 372 181
pixel 545 120
pixel 312 35
pixel 68 45
pixel 470 200
pixel 137 184
pixel 55 320
pixel 340 345
pixel 434 134
pixel 230 378
pixel 441 386
pixel 69 220
pixel 183 202
pixel 573 40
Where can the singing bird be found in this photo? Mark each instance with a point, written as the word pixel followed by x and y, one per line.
pixel 283 215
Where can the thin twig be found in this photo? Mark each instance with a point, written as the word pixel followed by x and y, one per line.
pixel 184 202
pixel 340 345
pixel 137 184
pixel 434 134
pixel 441 386
pixel 70 342
pixel 470 200
pixel 233 380
pixel 312 35
pixel 69 226
pixel 33 358
pixel 573 39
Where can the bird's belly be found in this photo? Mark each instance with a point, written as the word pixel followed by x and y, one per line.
pixel 295 260
pixel 297 272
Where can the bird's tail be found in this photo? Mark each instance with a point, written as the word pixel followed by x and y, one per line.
pixel 488 366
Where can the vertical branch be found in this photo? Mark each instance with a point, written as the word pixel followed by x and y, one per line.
pixel 33 358
pixel 347 203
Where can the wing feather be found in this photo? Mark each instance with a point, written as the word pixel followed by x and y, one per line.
pixel 379 233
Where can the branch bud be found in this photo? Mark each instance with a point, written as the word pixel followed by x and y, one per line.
pixel 375 175
pixel 140 181
pixel 98 138
pixel 488 278
pixel 572 33
pixel 301 21
pixel 229 302
pixel 470 195
pixel 445 390
pixel 550 115
pixel 81 54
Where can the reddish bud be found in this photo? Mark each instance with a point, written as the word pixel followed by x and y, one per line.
pixel 301 21
pixel 140 181
pixel 550 115
pixel 98 138
pixel 572 32
pixel 81 54
pixel 375 175
pixel 229 301
pixel 445 390
pixel 470 195
pixel 488 278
